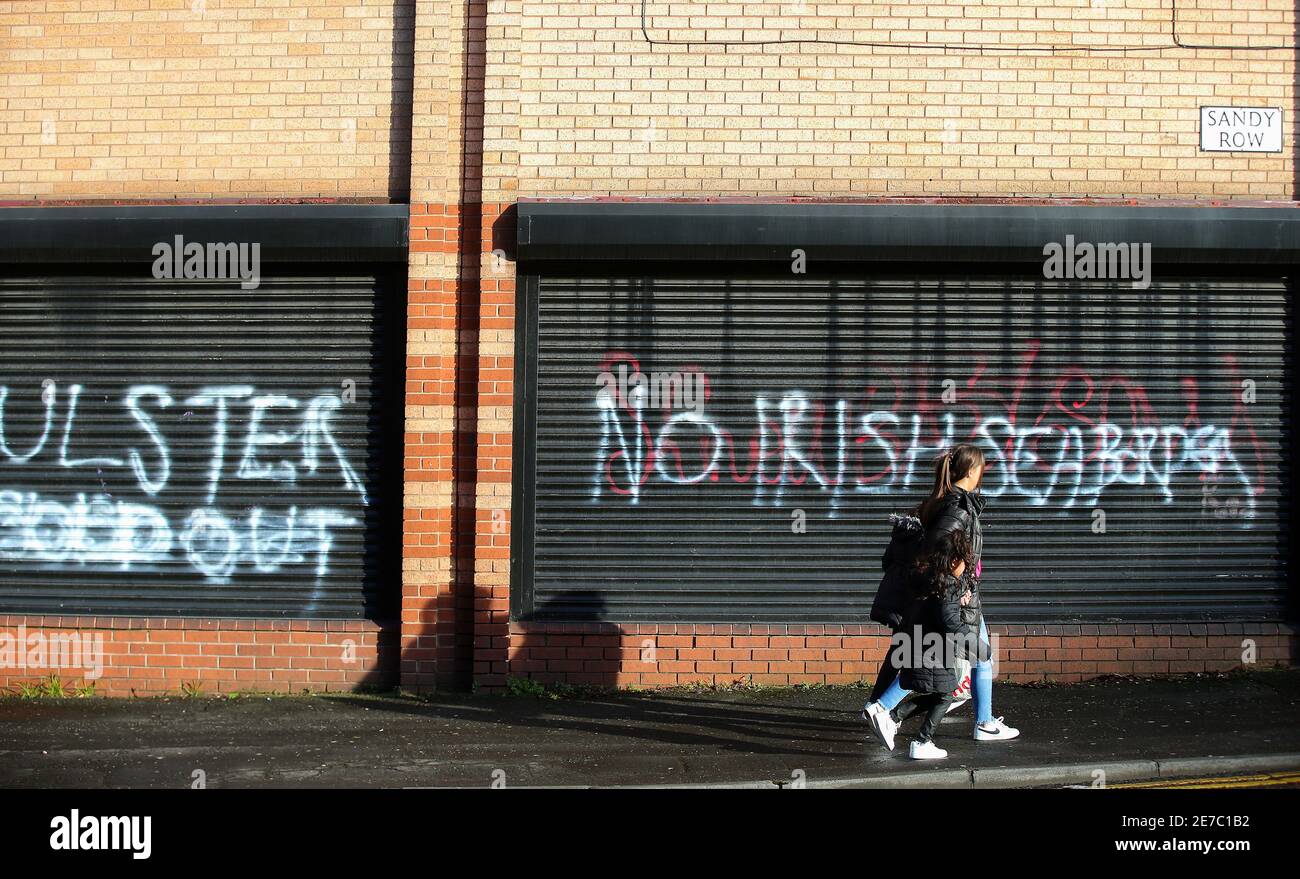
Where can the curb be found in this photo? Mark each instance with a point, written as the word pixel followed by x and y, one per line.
pixel 1031 776
pixel 1185 766
pixel 1078 773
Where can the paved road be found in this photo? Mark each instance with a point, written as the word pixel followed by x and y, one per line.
pixel 669 737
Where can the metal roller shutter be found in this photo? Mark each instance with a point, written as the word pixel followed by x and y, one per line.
pixel 196 449
pixel 1161 410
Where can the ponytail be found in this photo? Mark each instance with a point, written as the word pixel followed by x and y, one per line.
pixel 949 468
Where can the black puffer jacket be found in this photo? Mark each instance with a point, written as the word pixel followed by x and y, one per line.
pixel 893 594
pixel 932 637
pixel 961 509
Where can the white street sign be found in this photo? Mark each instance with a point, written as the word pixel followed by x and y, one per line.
pixel 1241 129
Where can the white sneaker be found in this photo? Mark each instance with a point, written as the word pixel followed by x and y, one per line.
pixel 957 704
pixel 926 751
pixel 997 731
pixel 881 723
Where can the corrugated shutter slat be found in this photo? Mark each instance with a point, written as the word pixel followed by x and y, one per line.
pixel 1109 378
pixel 125 517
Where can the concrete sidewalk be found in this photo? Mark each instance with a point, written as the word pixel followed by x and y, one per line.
pixel 1131 728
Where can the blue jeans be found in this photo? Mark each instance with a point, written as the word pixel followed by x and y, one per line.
pixel 981 685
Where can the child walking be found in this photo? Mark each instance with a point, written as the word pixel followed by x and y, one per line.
pixel 933 638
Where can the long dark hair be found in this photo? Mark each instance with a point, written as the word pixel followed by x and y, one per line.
pixel 952 466
pixel 932 568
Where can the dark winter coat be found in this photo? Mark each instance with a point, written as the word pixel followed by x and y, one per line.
pixel 960 509
pixel 893 594
pixel 925 650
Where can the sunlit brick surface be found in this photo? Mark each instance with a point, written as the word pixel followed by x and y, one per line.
pixel 202 98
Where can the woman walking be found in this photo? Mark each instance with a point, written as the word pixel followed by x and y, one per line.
pixel 954 505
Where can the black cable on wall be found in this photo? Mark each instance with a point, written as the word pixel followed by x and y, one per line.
pixel 1175 42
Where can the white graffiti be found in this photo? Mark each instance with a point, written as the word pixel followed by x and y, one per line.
pixel 215 544
pixel 94 529
pixel 883 452
pixel 313 436
pixel 97 528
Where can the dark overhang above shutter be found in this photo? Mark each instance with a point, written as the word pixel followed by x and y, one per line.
pixel 372 233
pixel 670 231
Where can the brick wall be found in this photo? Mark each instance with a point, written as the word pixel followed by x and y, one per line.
pixel 648 656
pixel 157 100
pixel 146 99
pixel 295 99
pixel 601 111
pixel 578 103
pixel 443 287
pixel 667 654
pixel 156 656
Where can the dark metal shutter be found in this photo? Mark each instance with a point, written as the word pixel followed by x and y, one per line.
pixel 122 492
pixel 1114 377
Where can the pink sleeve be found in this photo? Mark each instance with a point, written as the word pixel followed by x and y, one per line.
pixel 979 566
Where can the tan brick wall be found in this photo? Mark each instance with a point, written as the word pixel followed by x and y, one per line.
pixel 603 112
pixel 158 99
